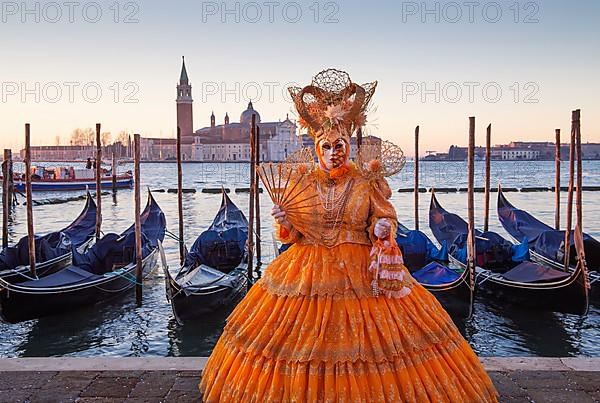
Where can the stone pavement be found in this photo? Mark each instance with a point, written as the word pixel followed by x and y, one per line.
pixel 547 386
pixel 175 380
pixel 92 386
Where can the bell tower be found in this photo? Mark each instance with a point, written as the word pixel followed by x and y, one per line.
pixel 184 103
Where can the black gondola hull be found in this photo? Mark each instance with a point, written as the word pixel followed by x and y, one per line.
pixel 207 300
pixel 16 306
pixel 567 297
pixel 188 307
pixel 455 299
pixel 594 293
pixel 214 275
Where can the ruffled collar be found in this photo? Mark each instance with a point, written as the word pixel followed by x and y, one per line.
pixel 337 174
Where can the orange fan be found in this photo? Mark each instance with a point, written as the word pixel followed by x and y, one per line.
pixel 287 184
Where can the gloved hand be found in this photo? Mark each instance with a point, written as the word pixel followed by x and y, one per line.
pixel 383 228
pixel 281 218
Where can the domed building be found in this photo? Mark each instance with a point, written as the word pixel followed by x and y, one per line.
pixel 231 141
pixel 246 116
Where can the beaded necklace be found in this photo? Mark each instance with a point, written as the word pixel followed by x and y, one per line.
pixel 334 203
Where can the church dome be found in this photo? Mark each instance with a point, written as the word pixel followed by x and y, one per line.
pixel 246 116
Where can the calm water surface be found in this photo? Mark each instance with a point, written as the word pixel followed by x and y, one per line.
pixel 120 328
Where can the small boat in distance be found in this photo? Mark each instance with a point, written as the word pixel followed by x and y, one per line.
pixel 70 178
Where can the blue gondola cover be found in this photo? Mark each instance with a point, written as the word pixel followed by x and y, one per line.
pixel 520 251
pixel 435 274
pixel 542 238
pixel 110 252
pixel 113 251
pixel 67 277
pixel 223 244
pixel 54 244
pixel 529 272
pixel 417 249
pixel 47 247
pixel 492 250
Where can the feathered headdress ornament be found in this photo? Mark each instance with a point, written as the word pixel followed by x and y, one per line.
pixel 332 100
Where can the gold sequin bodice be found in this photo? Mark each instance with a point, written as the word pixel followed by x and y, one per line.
pixel 342 210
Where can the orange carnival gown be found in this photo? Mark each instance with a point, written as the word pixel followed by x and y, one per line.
pixel 311 329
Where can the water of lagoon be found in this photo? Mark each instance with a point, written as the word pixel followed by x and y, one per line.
pixel 120 328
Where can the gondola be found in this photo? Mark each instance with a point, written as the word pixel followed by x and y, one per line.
pixel 106 270
pixel 546 244
pixel 452 286
pixel 505 271
pixel 214 274
pixel 53 250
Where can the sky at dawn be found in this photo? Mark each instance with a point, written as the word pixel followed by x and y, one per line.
pixel 522 66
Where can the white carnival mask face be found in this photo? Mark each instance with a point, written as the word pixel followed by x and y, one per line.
pixel 333 154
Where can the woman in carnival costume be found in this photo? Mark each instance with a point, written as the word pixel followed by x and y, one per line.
pixel 338 317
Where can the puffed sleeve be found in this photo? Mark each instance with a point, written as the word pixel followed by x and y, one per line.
pixel 381 207
pixel 287 236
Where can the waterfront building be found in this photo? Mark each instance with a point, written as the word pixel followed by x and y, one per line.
pixel 519 150
pixel 60 153
pixel 165 149
pixel 71 153
pixel 230 141
pixel 511 153
pixel 590 151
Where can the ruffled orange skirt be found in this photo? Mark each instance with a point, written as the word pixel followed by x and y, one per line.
pixel 311 331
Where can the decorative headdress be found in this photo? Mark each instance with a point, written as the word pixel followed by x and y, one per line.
pixel 332 100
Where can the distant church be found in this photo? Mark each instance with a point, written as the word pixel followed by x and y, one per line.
pixel 230 141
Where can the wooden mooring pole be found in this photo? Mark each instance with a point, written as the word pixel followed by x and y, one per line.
pixel 557 181
pixel 114 172
pixel 488 164
pixel 252 199
pixel 257 202
pixel 578 189
pixel 416 202
pixel 28 196
pixel 180 198
pixel 471 207
pixel 138 222
pixel 6 201
pixel 98 182
pixel 567 246
pixel 11 183
pixel 578 233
